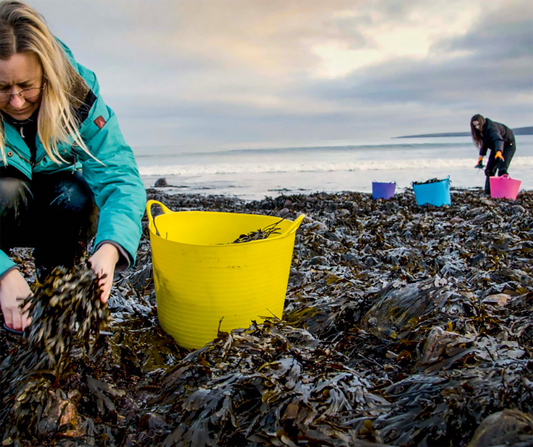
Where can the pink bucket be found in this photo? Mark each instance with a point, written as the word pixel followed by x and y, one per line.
pixel 504 187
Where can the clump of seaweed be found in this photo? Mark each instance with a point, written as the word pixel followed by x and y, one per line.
pixel 432 180
pixel 67 316
pixel 271 384
pixel 261 233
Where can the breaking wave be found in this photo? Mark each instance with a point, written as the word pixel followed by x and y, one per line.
pixel 364 165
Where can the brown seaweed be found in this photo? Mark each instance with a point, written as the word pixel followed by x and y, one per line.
pixel 260 234
pixel 426 182
pixel 66 315
pixel 403 326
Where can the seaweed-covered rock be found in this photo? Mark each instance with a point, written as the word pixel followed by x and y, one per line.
pixel 507 427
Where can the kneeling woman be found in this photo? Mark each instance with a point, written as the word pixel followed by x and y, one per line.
pixel 497 137
pixel 66 173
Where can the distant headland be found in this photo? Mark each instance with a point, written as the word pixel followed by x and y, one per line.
pixel 518 131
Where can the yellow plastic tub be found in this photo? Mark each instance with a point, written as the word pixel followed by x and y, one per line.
pixel 202 280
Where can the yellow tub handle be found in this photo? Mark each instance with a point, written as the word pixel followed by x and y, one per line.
pixel 298 221
pixel 151 220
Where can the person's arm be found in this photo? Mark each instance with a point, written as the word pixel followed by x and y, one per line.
pixel 115 181
pixel 118 189
pixel 497 138
pixel 120 197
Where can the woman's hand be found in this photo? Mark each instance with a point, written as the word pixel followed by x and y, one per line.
pixel 14 289
pixel 103 262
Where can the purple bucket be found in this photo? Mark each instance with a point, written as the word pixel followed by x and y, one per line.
pixel 382 190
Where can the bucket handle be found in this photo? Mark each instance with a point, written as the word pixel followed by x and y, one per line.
pixel 297 222
pixel 151 220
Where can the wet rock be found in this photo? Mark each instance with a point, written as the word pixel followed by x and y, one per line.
pixel 318 260
pixel 139 278
pixel 153 421
pixel 267 205
pixel 284 212
pixel 350 257
pixel 507 427
pixel 313 227
pixel 500 299
pixel 59 413
pixel 517 209
pixel 396 310
pixel 437 342
pixel 477 259
pixel 320 226
pixel 370 261
pixel 161 182
pixel 343 212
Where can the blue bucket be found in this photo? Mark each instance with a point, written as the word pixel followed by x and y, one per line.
pixel 437 193
pixel 382 190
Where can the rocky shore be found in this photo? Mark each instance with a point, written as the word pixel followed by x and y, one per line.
pixel 403 326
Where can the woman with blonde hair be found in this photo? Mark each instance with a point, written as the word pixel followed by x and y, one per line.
pixel 497 137
pixel 66 173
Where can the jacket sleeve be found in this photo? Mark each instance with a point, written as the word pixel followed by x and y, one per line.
pixel 496 137
pixel 6 264
pixel 112 174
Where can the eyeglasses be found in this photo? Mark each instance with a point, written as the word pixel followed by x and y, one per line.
pixel 27 94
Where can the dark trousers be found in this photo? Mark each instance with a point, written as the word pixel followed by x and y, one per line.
pixel 54 213
pixel 496 164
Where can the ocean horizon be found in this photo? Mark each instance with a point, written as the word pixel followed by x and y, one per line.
pixel 258 172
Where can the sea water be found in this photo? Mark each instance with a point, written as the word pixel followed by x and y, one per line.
pixel 256 173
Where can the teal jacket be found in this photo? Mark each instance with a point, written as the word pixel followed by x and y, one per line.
pixel 113 176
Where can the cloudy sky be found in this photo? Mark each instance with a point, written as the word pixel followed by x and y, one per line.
pixel 269 73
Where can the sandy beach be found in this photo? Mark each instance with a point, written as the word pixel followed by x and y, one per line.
pixel 403 326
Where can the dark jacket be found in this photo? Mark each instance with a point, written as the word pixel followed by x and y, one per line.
pixel 496 136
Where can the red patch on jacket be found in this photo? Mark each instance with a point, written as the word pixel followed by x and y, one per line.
pixel 100 121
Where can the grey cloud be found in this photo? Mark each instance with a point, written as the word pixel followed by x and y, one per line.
pixel 494 71
pixel 167 67
pixel 496 40
pixel 407 80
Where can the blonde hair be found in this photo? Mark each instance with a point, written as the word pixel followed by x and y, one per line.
pixel 22 29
